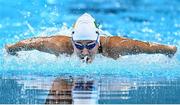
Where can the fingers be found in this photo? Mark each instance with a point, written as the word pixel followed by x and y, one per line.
pixel 10 51
pixel 172 51
pixel 174 48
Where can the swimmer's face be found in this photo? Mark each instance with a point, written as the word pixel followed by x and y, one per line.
pixel 86 49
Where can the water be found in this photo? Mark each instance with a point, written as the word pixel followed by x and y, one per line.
pixel 35 77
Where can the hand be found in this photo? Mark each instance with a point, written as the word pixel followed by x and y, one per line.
pixel 10 50
pixel 173 50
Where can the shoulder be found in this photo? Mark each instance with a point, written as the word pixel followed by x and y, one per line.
pixel 111 45
pixel 106 40
pixel 61 37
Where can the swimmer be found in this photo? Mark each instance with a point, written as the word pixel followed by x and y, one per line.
pixel 86 42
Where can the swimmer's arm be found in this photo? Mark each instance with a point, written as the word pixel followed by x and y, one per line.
pixel 124 46
pixel 54 45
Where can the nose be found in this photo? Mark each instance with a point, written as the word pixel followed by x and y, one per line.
pixel 85 51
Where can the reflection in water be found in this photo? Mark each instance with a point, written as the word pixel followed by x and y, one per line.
pixel 85 92
pixel 73 90
pixel 113 90
pixel 60 92
pixel 88 90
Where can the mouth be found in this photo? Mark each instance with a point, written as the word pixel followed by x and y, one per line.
pixel 86 59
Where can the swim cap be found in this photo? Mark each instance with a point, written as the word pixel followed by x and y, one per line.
pixel 85 28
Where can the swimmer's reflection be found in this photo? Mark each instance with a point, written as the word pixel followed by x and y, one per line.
pixel 73 91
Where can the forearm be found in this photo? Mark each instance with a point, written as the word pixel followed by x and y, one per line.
pixel 151 48
pixel 24 45
pixel 123 46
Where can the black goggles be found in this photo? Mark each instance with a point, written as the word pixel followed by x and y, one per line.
pixel 88 46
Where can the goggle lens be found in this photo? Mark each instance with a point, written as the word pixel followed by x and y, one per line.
pixel 88 46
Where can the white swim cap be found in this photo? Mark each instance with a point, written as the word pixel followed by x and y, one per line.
pixel 85 28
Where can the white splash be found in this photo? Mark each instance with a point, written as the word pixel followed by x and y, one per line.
pixel 143 65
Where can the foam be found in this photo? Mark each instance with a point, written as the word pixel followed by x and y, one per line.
pixel 132 66
pixel 141 66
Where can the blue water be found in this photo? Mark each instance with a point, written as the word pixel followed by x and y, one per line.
pixel 143 78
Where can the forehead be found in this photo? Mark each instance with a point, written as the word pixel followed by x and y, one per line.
pixel 84 41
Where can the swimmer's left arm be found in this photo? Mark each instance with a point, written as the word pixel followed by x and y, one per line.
pixel 124 46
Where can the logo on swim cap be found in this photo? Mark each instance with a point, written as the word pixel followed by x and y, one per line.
pixel 85 28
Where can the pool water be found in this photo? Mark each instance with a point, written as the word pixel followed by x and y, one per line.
pixel 35 77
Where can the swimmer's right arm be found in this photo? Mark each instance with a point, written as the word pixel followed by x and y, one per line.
pixel 53 45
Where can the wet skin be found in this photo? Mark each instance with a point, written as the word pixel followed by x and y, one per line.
pixel 113 47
